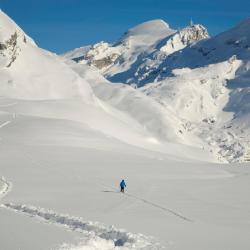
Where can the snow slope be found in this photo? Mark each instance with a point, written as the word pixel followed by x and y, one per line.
pixel 203 97
pixel 65 174
pixel 219 68
pixel 201 84
pixel 59 82
pixel 27 71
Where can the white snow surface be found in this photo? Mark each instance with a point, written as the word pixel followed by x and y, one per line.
pixel 68 136
pixel 65 174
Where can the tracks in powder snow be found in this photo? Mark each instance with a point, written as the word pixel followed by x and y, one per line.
pixel 5 124
pixel 168 210
pixel 160 207
pixel 91 230
pixel 93 233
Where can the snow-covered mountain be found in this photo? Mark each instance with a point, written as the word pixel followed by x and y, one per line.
pixel 210 80
pixel 123 61
pixel 31 73
pixel 202 82
pixel 193 89
pixel 27 71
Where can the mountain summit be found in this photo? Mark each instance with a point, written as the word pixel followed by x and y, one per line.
pixel 151 30
pixel 141 45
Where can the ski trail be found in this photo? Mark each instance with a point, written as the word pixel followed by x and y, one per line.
pixel 13 114
pixel 91 230
pixel 171 211
pixel 160 207
pixel 5 124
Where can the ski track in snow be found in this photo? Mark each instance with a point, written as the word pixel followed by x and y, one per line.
pixel 168 210
pixel 93 231
pixel 13 114
pixel 160 207
pixel 5 124
pixel 95 234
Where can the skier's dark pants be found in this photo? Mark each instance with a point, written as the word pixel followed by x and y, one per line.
pixel 122 189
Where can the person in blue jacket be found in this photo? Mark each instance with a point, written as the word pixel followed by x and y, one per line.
pixel 122 185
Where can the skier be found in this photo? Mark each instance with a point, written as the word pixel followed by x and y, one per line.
pixel 122 185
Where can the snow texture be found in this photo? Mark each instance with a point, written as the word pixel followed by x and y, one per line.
pixel 96 234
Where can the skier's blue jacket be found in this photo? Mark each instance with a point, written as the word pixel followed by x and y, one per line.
pixel 122 184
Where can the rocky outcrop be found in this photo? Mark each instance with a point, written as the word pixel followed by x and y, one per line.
pixel 10 49
pixel 184 38
pixel 101 55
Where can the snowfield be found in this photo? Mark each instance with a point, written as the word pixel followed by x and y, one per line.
pixel 68 136
pixel 66 174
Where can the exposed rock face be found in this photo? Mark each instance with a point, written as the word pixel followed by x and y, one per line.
pixel 105 62
pixel 184 37
pixel 101 55
pixel 12 41
pixel 10 49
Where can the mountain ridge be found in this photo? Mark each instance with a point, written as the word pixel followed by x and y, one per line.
pixel 213 70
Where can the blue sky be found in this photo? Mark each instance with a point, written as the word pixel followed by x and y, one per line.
pixel 60 25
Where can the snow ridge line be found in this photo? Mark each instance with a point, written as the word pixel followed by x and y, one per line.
pixel 94 230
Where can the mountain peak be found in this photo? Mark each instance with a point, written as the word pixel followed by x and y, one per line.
pixel 184 37
pixel 147 33
pixel 7 27
pixel 194 32
pixel 153 26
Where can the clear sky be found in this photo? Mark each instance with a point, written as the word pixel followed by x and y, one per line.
pixel 60 25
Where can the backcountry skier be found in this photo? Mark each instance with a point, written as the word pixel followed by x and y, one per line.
pixel 122 185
